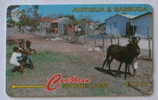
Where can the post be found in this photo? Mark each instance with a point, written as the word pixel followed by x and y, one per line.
pixel 95 42
pixel 149 46
pixel 149 43
pixel 118 41
pixel 103 43
pixel 111 40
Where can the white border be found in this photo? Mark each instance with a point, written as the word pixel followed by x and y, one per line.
pixel 3 7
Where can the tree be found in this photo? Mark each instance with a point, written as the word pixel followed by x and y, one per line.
pixel 35 17
pixel 10 21
pixel 29 17
pixel 9 10
pixel 35 11
pixel 22 20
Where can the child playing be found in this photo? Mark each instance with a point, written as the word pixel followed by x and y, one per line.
pixel 29 51
pixel 15 60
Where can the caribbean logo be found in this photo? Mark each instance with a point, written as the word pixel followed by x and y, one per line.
pixel 57 81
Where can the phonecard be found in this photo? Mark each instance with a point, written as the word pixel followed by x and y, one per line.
pixel 79 50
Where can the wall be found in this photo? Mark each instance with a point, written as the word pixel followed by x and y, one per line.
pixel 144 25
pixel 116 25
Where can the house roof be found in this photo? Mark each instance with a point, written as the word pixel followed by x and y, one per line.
pixel 129 16
pixel 47 19
pixel 117 15
pixel 147 13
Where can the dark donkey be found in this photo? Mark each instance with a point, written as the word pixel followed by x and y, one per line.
pixel 124 54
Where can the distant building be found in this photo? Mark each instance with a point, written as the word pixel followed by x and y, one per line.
pixel 54 26
pixel 63 24
pixel 45 24
pixel 117 24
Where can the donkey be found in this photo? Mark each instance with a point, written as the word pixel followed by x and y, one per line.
pixel 124 54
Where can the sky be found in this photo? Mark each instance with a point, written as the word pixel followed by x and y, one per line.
pixel 101 16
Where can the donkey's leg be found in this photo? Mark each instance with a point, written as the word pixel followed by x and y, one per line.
pixel 134 69
pixel 126 68
pixel 120 67
pixel 109 63
pixel 118 71
pixel 105 61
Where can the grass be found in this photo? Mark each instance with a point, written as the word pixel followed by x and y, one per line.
pixel 40 59
pixel 48 57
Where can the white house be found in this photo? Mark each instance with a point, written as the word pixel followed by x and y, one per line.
pixel 63 24
pixel 117 24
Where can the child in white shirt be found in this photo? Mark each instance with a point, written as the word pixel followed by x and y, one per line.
pixel 15 60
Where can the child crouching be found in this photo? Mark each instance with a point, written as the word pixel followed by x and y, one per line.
pixel 16 59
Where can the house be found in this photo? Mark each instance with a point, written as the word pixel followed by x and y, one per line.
pixel 117 24
pixel 144 24
pixel 54 26
pixel 63 24
pixel 45 25
pixel 88 27
pixel 92 26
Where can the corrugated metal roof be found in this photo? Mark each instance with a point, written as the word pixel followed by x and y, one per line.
pixel 128 16
pixel 148 13
pixel 117 15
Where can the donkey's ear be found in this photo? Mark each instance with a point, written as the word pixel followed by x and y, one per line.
pixel 138 39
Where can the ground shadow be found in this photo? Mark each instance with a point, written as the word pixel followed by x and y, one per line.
pixel 113 73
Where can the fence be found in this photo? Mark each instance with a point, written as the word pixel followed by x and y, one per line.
pixel 145 44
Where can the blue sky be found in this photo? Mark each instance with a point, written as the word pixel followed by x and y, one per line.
pixel 57 10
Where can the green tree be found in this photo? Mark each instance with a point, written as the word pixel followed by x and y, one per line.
pixel 35 11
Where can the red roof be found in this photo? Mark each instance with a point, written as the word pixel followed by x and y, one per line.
pixel 47 19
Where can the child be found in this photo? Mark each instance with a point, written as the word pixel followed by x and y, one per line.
pixel 29 51
pixel 21 45
pixel 15 60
